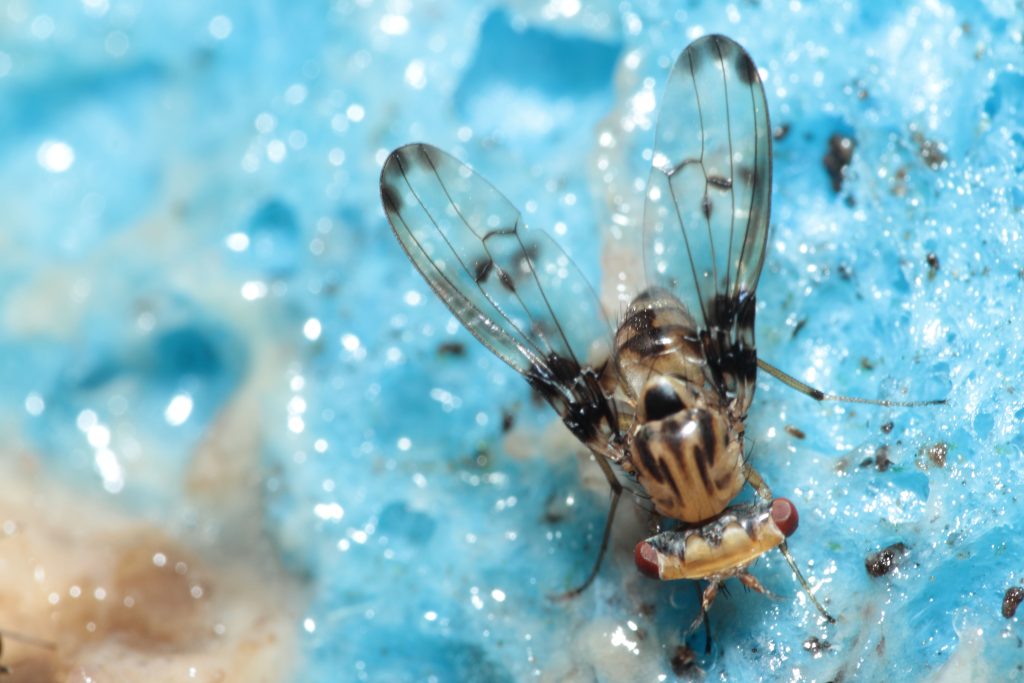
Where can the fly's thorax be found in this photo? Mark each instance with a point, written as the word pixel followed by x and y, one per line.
pixel 725 546
pixel 657 336
pixel 690 462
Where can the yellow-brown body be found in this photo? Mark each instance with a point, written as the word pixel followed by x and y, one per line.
pixel 685 445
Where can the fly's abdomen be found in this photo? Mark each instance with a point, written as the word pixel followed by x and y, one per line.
pixel 689 464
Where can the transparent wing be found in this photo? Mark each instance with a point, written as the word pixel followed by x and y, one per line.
pixel 708 201
pixel 514 289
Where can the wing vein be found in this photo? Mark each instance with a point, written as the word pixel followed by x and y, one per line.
pixel 732 174
pixel 531 353
pixel 751 228
pixel 704 172
pixel 544 296
pixel 689 251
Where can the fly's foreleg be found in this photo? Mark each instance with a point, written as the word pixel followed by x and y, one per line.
pixel 758 483
pixel 765 493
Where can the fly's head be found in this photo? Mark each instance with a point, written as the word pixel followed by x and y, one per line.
pixel 686 452
pixel 724 546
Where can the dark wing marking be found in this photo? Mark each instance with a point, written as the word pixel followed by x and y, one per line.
pixel 708 202
pixel 514 289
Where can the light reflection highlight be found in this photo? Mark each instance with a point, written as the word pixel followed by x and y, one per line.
pixel 394 24
pixel 220 27
pixel 329 512
pixel 253 290
pixel 55 156
pixel 34 404
pixel 110 470
pixel 179 409
pixel 620 639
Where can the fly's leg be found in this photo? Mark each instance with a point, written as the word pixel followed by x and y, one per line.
pixel 751 582
pixel 819 395
pixel 707 620
pixel 616 487
pixel 765 493
pixel 784 549
pixel 758 483
pixel 707 597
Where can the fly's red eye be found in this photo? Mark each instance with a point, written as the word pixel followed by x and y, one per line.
pixel 785 516
pixel 646 558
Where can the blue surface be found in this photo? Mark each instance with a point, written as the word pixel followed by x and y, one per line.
pixel 124 283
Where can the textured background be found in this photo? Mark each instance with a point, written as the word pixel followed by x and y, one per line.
pixel 244 442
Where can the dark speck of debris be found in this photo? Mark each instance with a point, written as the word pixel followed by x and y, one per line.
pixel 1013 597
pixel 866 363
pixel 886 559
pixel 932 153
pixel 482 457
pixel 815 645
pixel 882 461
pixel 799 326
pixel 795 432
pixel 899 184
pixel 887 427
pixel 933 264
pixel 555 509
pixel 781 131
pixel 647 609
pixel 935 454
pixel 455 349
pixel 684 663
pixel 857 88
pixel 837 158
pixel 508 420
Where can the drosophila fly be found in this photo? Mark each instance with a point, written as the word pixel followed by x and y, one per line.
pixel 663 400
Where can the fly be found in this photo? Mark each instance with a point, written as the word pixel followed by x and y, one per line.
pixel 664 398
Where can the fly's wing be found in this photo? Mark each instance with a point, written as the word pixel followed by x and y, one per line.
pixel 708 202
pixel 514 289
